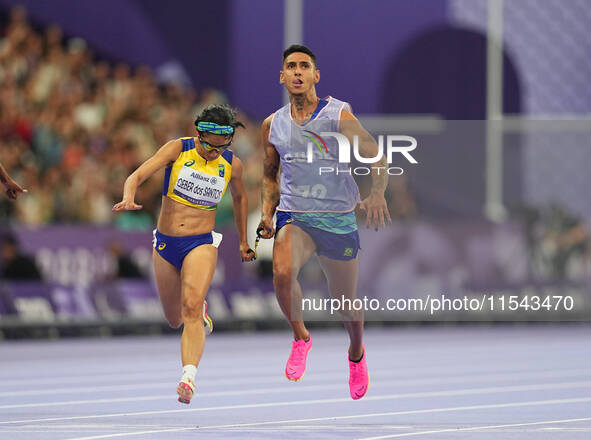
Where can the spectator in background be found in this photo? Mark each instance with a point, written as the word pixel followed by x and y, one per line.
pixel 556 239
pixel 16 265
pixel 72 128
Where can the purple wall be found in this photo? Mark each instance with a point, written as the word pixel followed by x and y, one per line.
pixel 355 41
pixel 146 32
pixel 114 28
pixel 256 47
pixel 236 45
pixel 198 35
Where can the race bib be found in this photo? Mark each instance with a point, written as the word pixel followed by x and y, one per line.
pixel 199 188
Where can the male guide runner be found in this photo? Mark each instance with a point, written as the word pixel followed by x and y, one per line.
pixel 315 213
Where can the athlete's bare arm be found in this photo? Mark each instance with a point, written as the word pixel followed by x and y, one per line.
pixel 375 204
pixel 270 183
pixel 12 188
pixel 240 203
pixel 166 154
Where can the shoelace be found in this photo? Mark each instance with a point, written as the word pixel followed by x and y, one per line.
pixel 356 372
pixel 299 351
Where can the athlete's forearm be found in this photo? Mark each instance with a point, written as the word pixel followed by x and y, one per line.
pixel 270 183
pixel 270 196
pixel 271 163
pixel 165 155
pixel 130 186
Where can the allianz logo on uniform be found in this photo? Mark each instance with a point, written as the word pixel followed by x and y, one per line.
pixel 200 177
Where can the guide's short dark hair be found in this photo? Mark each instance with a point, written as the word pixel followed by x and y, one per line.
pixel 221 114
pixel 299 48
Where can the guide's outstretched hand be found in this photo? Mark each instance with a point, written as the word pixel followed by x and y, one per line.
pixel 376 208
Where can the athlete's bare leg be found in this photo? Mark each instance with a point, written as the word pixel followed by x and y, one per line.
pixel 196 274
pixel 342 282
pixel 291 250
pixel 168 281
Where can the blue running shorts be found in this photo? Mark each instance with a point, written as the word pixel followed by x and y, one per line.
pixel 175 249
pixel 328 244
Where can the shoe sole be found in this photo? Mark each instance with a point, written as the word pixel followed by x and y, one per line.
pixel 185 393
pixel 295 380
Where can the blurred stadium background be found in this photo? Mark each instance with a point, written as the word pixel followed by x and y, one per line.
pixel 498 202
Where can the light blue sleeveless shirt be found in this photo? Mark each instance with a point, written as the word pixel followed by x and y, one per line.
pixel 302 187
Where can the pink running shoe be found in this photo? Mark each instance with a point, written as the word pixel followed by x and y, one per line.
pixel 358 378
pixel 296 364
pixel 186 389
pixel 207 322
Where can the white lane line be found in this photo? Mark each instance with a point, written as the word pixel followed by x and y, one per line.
pixel 408 382
pixel 145 384
pixel 122 376
pixel 125 375
pixel 356 416
pixel 126 434
pixel 444 380
pixel 461 392
pixel 173 397
pixel 83 390
pixel 475 428
pixel 223 380
pixel 95 401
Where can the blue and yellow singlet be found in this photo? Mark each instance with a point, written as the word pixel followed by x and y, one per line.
pixel 194 181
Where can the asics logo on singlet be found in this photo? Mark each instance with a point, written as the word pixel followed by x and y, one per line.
pixel 161 246
pixel 190 163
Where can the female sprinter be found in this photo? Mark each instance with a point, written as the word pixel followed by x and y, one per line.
pixel 198 170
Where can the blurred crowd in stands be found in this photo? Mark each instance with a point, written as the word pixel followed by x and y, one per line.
pixel 72 128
